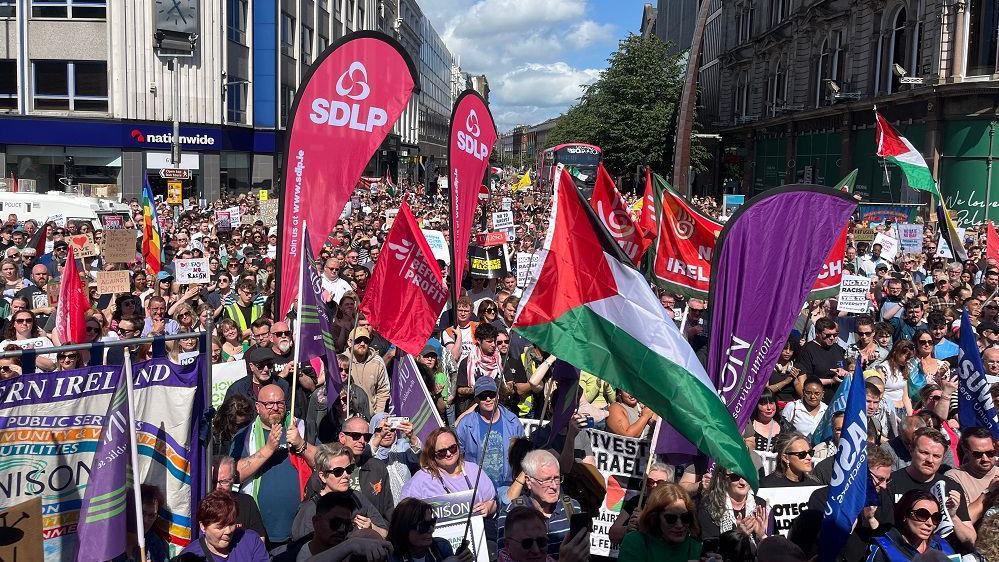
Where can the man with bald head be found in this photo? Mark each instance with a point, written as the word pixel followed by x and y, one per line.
pixel 36 295
pixel 372 477
pixel 990 358
pixel 272 461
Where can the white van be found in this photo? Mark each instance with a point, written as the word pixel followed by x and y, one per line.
pixel 41 206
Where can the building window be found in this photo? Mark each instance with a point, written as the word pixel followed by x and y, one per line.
pixel 238 10
pixel 897 48
pixel 831 66
pixel 779 11
pixel 360 16
pixel 350 15
pixel 70 86
pixel 287 99
pixel 288 32
pixel 746 23
pixel 777 88
pixel 72 9
pixel 306 40
pixel 236 95
pixel 8 84
pixel 8 8
pixel 983 37
pixel 323 43
pixel 742 95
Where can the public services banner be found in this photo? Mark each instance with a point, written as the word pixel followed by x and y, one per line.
pixel 411 399
pixel 50 425
pixel 764 267
pixel 470 143
pixel 348 102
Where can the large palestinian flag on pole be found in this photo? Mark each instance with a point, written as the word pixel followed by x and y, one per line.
pixel 897 149
pixel 592 309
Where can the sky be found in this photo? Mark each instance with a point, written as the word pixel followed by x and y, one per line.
pixel 535 53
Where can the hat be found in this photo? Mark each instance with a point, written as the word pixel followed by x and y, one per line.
pixel 428 349
pixel 272 231
pixel 881 266
pixel 485 384
pixel 59 244
pixel 986 327
pixel 18 229
pixel 259 356
pixel 359 332
pixel 164 275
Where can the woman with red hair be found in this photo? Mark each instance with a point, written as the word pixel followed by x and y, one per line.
pixel 221 538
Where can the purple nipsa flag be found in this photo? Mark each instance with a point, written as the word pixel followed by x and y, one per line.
pixel 765 264
pixel 411 399
pixel 565 400
pixel 317 338
pixel 103 514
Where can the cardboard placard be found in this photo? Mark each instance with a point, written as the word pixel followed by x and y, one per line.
pixel 269 211
pixel 22 534
pixel 194 270
pixel 864 234
pixel 889 246
pixel 119 245
pixel 502 220
pixel 113 282
pixel 83 245
pixel 910 237
pixel 853 291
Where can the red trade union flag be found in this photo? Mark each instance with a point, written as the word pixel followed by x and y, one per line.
pixel 71 319
pixel 647 218
pixel 406 292
pixel 613 213
pixel 992 243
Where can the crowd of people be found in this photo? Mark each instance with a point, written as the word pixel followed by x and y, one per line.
pixel 340 478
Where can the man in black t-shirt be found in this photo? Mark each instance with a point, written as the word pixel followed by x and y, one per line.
pixel 824 358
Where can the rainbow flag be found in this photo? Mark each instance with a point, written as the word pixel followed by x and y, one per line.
pixel 151 248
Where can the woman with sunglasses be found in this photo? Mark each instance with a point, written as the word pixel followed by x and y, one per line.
pixel 24 333
pixel 10 367
pixel 334 465
pixel 411 534
pixel 124 306
pixel 794 463
pixel 924 368
pixel 487 311
pixel 917 516
pixel 627 519
pixel 443 470
pixel 186 320
pixel 399 453
pixel 667 529
pixel 729 503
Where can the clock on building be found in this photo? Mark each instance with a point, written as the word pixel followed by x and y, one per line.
pixel 179 16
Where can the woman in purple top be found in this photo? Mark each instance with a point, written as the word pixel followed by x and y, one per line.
pixel 221 540
pixel 443 471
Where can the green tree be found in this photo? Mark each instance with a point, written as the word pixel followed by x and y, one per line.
pixel 630 111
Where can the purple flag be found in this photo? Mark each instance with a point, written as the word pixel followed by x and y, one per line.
pixel 411 399
pixel 565 399
pixel 316 343
pixel 765 264
pixel 103 515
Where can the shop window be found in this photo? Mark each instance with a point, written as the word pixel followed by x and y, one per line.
pixel 8 8
pixel 70 85
pixel 238 10
pixel 983 37
pixel 8 84
pixel 71 9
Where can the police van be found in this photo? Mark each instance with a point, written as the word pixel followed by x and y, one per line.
pixel 42 207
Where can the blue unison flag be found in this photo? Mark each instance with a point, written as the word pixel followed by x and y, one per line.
pixel 848 488
pixel 974 402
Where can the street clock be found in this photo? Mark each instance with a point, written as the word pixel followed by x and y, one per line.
pixel 179 16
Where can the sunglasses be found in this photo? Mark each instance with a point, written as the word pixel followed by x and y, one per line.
pixel 486 395
pixel 923 515
pixel 426 526
pixel 65 356
pixel 93 330
pixel 864 334
pixel 446 452
pixel 983 454
pixel 529 543
pixel 357 435
pixel 673 518
pixel 23 320
pixel 733 477
pixel 338 471
pixel 801 454
pixel 281 334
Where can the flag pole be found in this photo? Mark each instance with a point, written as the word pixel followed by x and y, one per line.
pixel 884 163
pixel 652 458
pixel 350 357
pixel 298 316
pixel 140 535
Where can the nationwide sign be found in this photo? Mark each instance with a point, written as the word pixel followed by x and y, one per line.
pixel 202 139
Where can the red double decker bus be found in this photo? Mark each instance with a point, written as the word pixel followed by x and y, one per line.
pixel 580 159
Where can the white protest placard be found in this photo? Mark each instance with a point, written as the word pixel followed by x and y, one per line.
pixel 390 215
pixel 112 282
pixel 507 203
pixel 786 504
pixel 853 291
pixel 910 237
pixel 943 249
pixel 187 357
pixel 438 245
pixel 524 261
pixel 223 375
pixel 234 217
pixel 57 219
pixel 451 511
pixel 502 220
pixel 889 246
pixel 192 271
pixel 119 245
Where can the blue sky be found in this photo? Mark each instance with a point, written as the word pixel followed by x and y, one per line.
pixel 535 53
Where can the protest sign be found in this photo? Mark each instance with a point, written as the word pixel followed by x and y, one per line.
pixel 507 203
pixel 889 246
pixel 390 215
pixel 910 237
pixel 491 239
pixel 438 244
pixel 451 511
pixel 263 195
pixel 853 291
pixel 57 219
pixel 223 375
pixel 269 211
pixel 21 538
pixel 192 271
pixel 526 263
pixel 731 202
pixel 502 220
pixel 235 218
pixel 864 234
pixel 83 245
pixel 119 245
pixel 786 504
pixel 113 220
pixel 943 249
pixel 111 282
pixel 222 220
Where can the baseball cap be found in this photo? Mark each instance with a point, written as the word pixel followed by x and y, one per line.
pixel 259 356
pixel 987 327
pixel 428 350
pixel 485 384
pixel 18 229
pixel 164 275
pixel 359 332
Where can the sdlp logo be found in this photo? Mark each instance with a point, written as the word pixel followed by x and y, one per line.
pixel 352 84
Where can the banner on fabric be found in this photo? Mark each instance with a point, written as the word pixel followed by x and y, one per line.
pixel 786 504
pixel 763 273
pixel 868 213
pixel 910 237
pixel 613 213
pixel 50 425
pixel 621 461
pixel 853 294
pixel 470 142
pixel 411 399
pixel 347 103
pixel 451 511
pixel 828 282
pixel 316 336
pixel 974 401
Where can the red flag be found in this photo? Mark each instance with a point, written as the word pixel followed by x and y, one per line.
pixel 647 218
pixel 992 243
pixel 71 319
pixel 406 292
pixel 613 212
pixel 38 240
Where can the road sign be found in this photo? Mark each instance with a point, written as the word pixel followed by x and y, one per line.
pixel 175 174
pixel 175 192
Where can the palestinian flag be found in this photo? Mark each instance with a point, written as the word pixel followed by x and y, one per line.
pixel 592 309
pixel 949 233
pixel 847 184
pixel 576 174
pixel 899 151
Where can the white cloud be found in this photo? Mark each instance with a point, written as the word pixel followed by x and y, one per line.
pixel 543 85
pixel 589 32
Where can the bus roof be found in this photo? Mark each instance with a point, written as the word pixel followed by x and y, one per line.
pixel 561 146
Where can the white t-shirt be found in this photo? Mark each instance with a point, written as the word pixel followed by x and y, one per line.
pixel 797 415
pixel 32 343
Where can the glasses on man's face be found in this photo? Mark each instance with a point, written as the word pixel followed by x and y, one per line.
pixel 281 334
pixel 357 435
pixel 272 404
pixel 502 342
pixel 261 335
pixel 828 335
pixel 548 482
pixel 529 542
pixel 983 454
pixel 865 334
